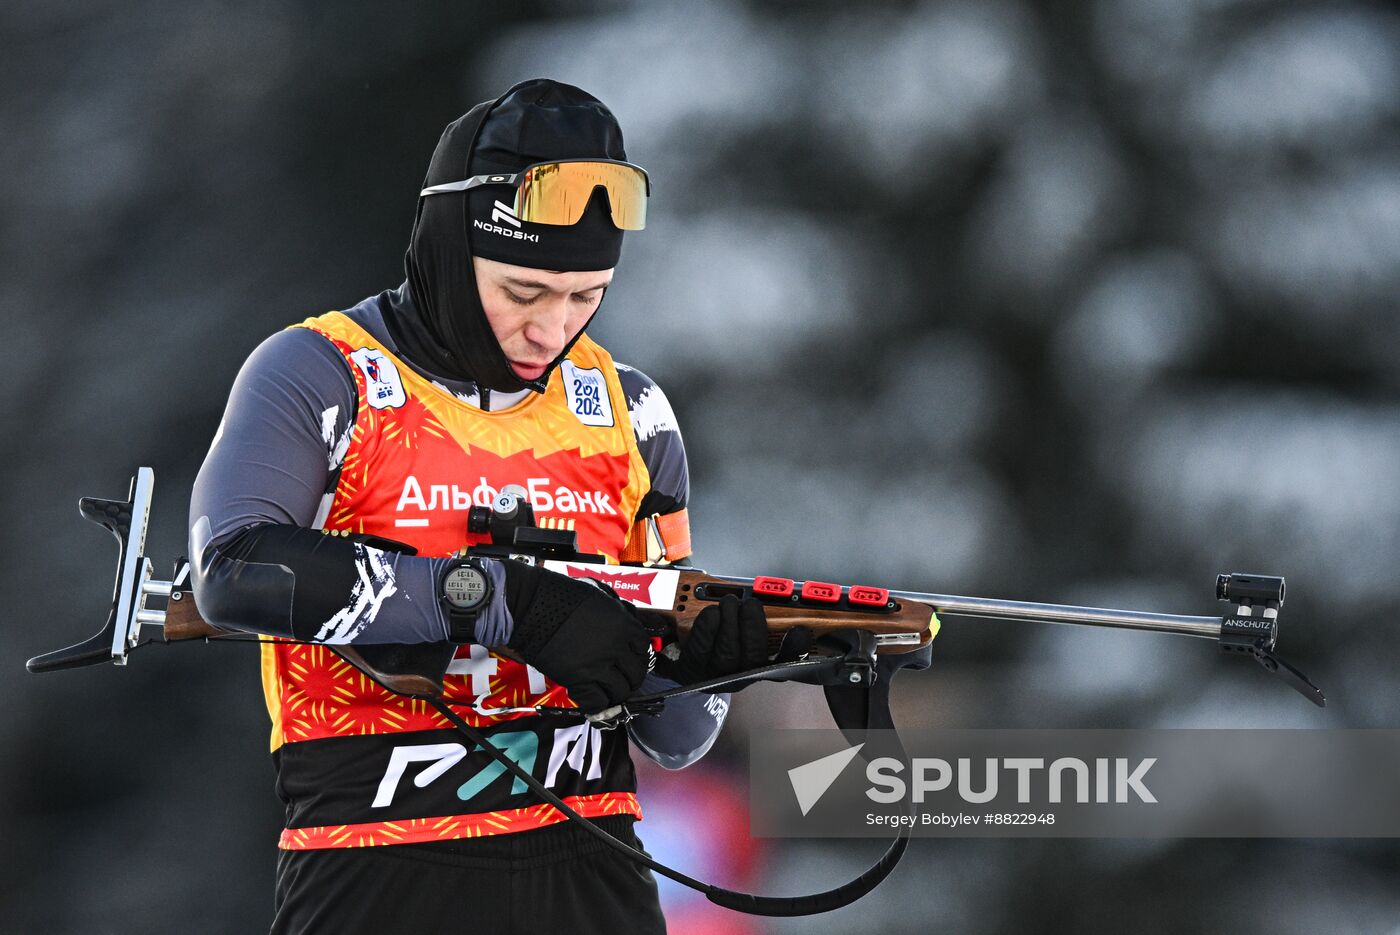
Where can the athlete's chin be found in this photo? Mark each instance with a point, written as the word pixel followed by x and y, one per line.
pixel 528 371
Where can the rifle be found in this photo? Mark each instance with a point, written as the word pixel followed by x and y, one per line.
pixel 852 640
pixel 887 621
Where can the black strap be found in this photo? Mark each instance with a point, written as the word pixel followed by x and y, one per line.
pixel 854 708
pixel 743 902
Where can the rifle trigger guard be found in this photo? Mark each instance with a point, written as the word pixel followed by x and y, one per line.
pixel 841 657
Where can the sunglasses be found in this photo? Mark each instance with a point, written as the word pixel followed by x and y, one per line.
pixel 558 192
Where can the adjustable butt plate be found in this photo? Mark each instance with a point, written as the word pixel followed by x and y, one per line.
pixel 127 520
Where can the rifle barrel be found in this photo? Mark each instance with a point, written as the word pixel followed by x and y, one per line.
pixel 953 605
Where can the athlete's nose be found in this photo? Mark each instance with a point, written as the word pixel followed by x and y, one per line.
pixel 547 331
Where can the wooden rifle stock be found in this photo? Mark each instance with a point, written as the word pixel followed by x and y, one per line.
pixel 184 622
pixel 908 619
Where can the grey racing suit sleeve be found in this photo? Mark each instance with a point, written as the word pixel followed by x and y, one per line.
pixel 659 441
pixel 257 562
pixel 689 724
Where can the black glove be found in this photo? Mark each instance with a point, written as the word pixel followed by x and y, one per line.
pixel 728 637
pixel 586 639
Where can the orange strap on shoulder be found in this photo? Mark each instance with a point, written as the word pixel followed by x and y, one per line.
pixel 658 538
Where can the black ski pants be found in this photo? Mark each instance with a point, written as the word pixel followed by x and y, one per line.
pixel 550 880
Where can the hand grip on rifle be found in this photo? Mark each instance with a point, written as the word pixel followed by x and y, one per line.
pixel 724 639
pixel 583 637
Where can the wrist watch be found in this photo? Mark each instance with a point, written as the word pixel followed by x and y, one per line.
pixel 464 589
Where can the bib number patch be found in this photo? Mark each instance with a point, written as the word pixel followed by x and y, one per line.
pixel 587 393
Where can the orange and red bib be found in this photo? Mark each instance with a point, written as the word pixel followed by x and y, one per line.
pixel 358 765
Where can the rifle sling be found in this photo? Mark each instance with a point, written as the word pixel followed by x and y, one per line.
pixel 855 709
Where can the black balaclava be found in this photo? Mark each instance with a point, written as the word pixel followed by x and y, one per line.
pixel 535 121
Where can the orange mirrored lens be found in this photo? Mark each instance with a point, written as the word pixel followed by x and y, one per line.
pixel 558 193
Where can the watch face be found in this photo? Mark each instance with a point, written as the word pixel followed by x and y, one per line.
pixel 464 587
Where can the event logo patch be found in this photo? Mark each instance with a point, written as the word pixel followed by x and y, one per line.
pixel 383 385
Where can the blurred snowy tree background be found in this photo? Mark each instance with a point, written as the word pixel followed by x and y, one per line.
pixel 1075 302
